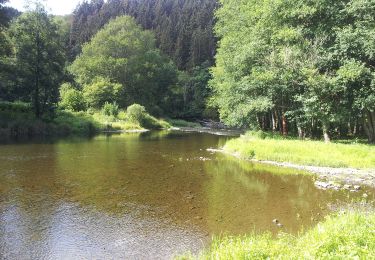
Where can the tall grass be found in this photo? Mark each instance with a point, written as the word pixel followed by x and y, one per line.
pixel 350 235
pixel 314 153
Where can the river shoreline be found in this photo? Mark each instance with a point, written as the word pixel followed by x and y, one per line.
pixel 329 175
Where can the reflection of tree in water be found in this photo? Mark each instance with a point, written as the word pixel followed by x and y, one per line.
pixel 243 196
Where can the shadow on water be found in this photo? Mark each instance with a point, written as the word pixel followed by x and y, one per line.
pixel 143 195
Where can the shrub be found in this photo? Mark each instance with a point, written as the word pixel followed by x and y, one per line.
pixel 100 92
pixel 71 98
pixel 17 106
pixel 136 113
pixel 110 109
pixel 122 115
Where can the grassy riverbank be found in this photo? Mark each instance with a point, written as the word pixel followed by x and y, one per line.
pixel 18 120
pixel 346 236
pixel 314 153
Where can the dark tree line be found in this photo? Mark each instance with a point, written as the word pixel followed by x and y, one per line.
pixel 183 28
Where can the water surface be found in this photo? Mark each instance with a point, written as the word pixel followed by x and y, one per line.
pixel 143 196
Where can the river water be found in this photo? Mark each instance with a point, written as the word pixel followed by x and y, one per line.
pixel 144 196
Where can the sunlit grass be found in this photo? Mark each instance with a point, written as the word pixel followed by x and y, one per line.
pixel 350 235
pixel 182 123
pixel 315 153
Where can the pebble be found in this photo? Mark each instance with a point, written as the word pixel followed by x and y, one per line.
pixel 357 187
pixel 275 221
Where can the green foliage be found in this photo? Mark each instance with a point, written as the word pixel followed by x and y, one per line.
pixel 110 109
pixel 301 66
pixel 78 123
pixel 264 146
pixel 193 92
pixel 137 114
pixel 18 107
pixel 345 236
pixel 182 123
pixel 39 58
pixel 71 98
pixel 184 30
pixel 124 53
pixel 101 91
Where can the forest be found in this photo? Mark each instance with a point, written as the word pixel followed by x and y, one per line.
pixel 302 69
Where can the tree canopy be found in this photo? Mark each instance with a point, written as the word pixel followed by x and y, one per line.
pixel 124 53
pixel 299 66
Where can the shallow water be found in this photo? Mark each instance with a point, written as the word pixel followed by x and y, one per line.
pixel 144 196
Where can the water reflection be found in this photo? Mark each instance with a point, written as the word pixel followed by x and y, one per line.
pixel 142 195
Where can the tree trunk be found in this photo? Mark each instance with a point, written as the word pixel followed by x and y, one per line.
pixel 274 121
pixel 327 138
pixel 369 125
pixel 284 124
pixel 301 132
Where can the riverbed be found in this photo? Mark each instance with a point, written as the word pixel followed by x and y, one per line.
pixel 149 195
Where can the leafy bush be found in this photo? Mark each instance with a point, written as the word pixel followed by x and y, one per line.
pixel 71 98
pixel 122 115
pixel 17 106
pixel 110 109
pixel 76 123
pixel 136 113
pixel 100 92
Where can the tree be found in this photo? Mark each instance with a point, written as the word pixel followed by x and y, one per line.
pixel 305 66
pixel 183 29
pixel 101 91
pixel 71 98
pixel 125 54
pixel 39 58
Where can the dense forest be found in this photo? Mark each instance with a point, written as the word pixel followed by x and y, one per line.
pixel 183 28
pixel 168 74
pixel 305 66
pixel 304 69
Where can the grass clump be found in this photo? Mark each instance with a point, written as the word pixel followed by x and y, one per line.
pixel 349 235
pixel 183 123
pixel 261 146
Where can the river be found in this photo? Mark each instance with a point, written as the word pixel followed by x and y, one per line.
pixel 147 195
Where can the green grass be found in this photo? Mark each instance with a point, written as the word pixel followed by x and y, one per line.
pixel 18 120
pixel 182 123
pixel 349 235
pixel 314 153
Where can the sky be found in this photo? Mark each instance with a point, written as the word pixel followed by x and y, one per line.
pixel 57 7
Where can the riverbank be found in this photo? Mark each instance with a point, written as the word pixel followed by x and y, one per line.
pixel 346 235
pixel 335 162
pixel 17 120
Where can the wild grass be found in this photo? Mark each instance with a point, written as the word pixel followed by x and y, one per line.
pixel 314 153
pixel 349 235
pixel 182 123
pixel 18 120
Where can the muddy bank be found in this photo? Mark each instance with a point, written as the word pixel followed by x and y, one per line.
pixel 341 176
